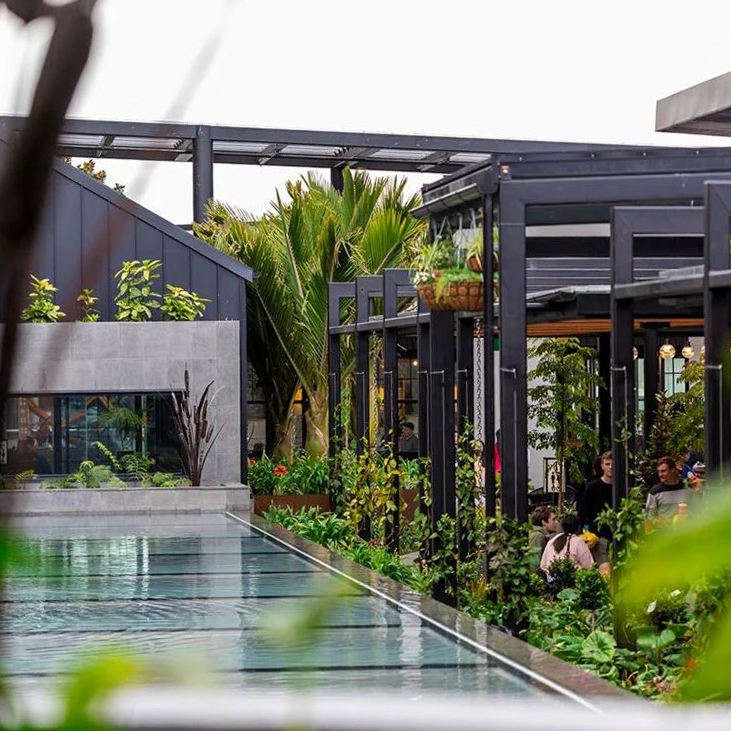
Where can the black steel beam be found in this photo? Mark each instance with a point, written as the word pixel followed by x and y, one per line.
pixel 202 172
pixel 716 310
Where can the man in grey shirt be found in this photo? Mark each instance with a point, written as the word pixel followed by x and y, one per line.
pixel 409 442
pixel 664 498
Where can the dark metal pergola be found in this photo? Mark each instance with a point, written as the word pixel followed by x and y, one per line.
pixel 520 203
pixel 204 145
pixel 712 284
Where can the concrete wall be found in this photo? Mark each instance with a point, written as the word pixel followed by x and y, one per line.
pixel 89 357
pixel 124 500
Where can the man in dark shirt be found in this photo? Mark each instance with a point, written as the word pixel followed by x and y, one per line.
pixel 597 496
pixel 409 442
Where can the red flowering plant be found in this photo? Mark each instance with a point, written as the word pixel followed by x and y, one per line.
pixel 303 474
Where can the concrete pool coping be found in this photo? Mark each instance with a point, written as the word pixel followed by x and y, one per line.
pixel 537 667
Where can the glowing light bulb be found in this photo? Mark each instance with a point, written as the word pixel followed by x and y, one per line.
pixel 667 351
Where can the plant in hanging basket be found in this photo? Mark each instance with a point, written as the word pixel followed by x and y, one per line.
pixel 455 289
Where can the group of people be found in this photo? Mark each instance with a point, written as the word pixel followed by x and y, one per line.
pixel 579 535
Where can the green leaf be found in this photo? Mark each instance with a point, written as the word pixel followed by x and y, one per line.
pixel 598 647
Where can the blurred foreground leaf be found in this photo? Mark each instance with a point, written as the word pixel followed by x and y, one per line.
pixel 686 553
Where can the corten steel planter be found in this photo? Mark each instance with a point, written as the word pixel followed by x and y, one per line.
pixel 295 503
pixel 464 296
pixel 409 504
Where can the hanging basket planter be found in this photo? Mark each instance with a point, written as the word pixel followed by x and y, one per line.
pixel 464 296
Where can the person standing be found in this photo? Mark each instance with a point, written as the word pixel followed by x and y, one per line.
pixel 597 497
pixel 664 497
pixel 544 524
pixel 409 443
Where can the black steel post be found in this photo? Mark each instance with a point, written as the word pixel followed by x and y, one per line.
pixel 465 372
pixel 622 368
pixel 488 357
pixel 716 310
pixel 392 278
pixel 513 360
pixel 202 172
pixel 465 416
pixel 441 425
pixel 604 358
pixel 424 366
pixel 652 365
pixel 336 178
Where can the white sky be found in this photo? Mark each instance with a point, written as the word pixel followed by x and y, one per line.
pixel 565 70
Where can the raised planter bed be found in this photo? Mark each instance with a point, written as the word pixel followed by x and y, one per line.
pixel 205 499
pixel 295 503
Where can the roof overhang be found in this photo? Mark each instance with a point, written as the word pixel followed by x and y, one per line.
pixel 703 109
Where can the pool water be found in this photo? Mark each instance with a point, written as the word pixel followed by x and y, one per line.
pixel 201 586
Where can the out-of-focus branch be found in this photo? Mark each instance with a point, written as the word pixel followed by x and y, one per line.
pixel 28 165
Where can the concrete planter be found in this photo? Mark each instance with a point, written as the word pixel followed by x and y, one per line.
pixel 295 503
pixel 79 501
pixel 127 357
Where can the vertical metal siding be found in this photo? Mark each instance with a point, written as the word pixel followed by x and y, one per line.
pixel 149 246
pixel 67 256
pixel 176 263
pixel 95 249
pixel 204 281
pixel 121 230
pixel 228 296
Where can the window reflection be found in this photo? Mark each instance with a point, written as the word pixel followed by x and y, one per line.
pixel 52 435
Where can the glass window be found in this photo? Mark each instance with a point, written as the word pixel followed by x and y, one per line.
pixel 52 435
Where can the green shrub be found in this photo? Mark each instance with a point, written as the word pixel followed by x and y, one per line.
pixel 323 528
pixel 563 574
pixel 41 308
pixel 89 475
pixel 135 299
pixel 305 474
pixel 180 304
pixel 86 302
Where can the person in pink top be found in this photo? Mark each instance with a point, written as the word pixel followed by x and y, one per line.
pixel 567 543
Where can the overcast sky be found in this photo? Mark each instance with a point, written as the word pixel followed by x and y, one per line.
pixel 575 71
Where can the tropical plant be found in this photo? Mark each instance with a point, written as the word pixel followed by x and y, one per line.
pixel 196 436
pixel 180 304
pixel 703 543
pixel 41 308
pixel 317 236
pixel 88 475
pixel 135 298
pixel 559 400
pixel 86 302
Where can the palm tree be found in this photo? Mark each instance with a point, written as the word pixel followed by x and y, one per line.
pixel 316 236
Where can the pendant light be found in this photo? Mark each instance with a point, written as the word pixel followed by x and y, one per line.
pixel 687 351
pixel 667 351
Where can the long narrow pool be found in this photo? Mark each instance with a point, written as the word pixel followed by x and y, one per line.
pixel 199 587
